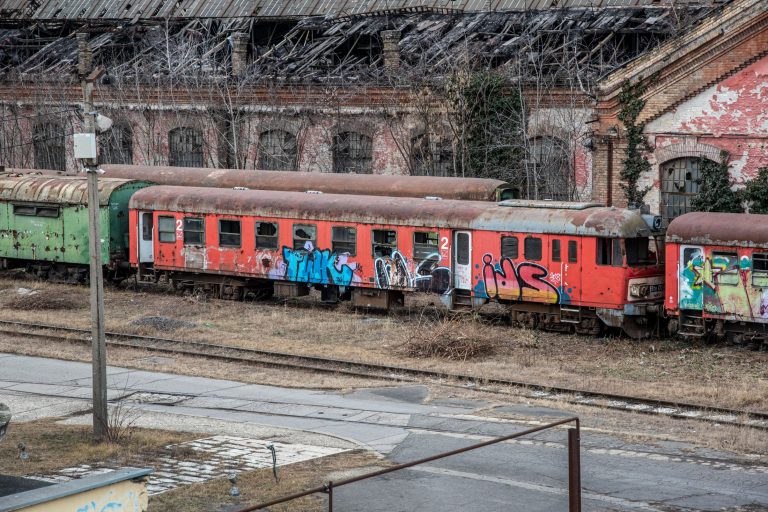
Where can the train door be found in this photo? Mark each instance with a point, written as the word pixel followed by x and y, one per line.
pixel 690 277
pixel 462 260
pixel 146 236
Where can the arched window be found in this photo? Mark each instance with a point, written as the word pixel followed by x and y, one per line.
pixel 116 145
pixel 431 156
pixel 48 140
pixel 352 152
pixel 679 184
pixel 547 170
pixel 185 147
pixel 278 151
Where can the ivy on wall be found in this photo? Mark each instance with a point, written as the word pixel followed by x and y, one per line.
pixel 715 192
pixel 635 164
pixel 756 192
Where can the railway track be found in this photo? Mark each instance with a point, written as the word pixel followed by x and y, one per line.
pixel 274 359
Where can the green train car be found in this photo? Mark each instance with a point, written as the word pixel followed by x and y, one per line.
pixel 44 225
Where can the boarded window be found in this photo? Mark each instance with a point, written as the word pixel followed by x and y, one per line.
pixel 166 229
pixel 185 147
pixel 462 248
pixel 36 211
pixel 725 268
pixel 194 231
pixel 267 235
pixel 509 247
pixel 384 242
pixel 573 251
pixel 431 156
pixel 48 140
pixel 344 240
pixel 278 151
pixel 609 251
pixel 679 185
pixel 424 244
pixel 304 234
pixel 352 152
pixel 555 250
pixel 760 270
pixel 229 233
pixel 548 170
pixel 532 248
pixel 116 145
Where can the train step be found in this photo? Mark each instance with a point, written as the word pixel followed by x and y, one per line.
pixel 462 298
pixel 570 315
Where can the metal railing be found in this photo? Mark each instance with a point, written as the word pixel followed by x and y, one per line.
pixel 574 468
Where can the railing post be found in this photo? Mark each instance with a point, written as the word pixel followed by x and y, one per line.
pixel 330 496
pixel 574 470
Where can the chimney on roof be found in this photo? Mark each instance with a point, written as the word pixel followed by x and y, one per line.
pixel 391 50
pixel 84 55
pixel 239 53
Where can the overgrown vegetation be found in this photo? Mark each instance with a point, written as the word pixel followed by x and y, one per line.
pixel 47 299
pixel 756 193
pixel 715 192
pixel 456 338
pixel 635 164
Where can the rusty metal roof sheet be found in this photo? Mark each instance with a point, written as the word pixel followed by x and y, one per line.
pixel 730 229
pixel 479 189
pixel 594 221
pixel 59 190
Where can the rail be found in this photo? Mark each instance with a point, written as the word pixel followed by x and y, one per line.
pixel 574 468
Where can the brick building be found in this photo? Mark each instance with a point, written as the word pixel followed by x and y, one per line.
pixel 706 92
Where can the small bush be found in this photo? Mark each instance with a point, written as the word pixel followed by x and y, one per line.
pixel 33 300
pixel 457 338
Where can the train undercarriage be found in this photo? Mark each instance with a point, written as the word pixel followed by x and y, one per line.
pixel 692 325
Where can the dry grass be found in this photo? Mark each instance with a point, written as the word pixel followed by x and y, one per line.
pixel 45 298
pixel 259 486
pixel 667 369
pixel 52 446
pixel 457 338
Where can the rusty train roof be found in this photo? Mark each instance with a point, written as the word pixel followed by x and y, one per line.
pixel 588 221
pixel 58 190
pixel 730 229
pixel 480 189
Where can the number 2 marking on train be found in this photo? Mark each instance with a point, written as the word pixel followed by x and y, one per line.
pixel 444 244
pixel 178 225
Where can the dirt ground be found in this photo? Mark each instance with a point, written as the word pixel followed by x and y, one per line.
pixel 717 374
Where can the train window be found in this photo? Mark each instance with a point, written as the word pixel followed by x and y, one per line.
pixel 194 231
pixel 639 251
pixel 229 233
pixel 573 251
pixel 760 270
pixel 146 226
pixel 725 268
pixel 36 211
pixel 424 244
pixel 344 240
pixel 166 229
pixel 609 251
pixel 267 235
pixel 462 248
pixel 509 247
pixel 555 250
pixel 304 234
pixel 532 248
pixel 384 242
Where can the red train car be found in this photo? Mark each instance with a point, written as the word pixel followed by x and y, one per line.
pixel 717 276
pixel 558 265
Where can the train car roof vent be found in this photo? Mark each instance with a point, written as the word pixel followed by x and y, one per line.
pixel 240 188
pixel 433 198
pixel 314 191
pixel 557 205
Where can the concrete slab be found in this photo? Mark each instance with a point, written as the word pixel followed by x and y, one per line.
pixel 25 407
pixel 408 394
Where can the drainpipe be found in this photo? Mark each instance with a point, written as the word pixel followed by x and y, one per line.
pixel 609 194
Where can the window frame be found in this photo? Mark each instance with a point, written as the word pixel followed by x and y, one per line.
pixel 161 232
pixel 344 243
pixel 239 233
pixel 729 274
pixel 375 244
pixel 312 228
pixel 763 272
pixel 36 210
pixel 257 236
pixel 537 240
pixel 614 251
pixel 573 251
pixel 421 250
pixel 200 231
pixel 516 247
pixel 555 250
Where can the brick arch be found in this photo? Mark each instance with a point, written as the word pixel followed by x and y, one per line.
pixel 689 148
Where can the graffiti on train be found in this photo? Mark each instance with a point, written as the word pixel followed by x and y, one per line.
pixel 317 266
pixel 427 275
pixel 507 281
pixel 722 283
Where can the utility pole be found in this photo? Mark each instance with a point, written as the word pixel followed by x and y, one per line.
pixel 85 148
